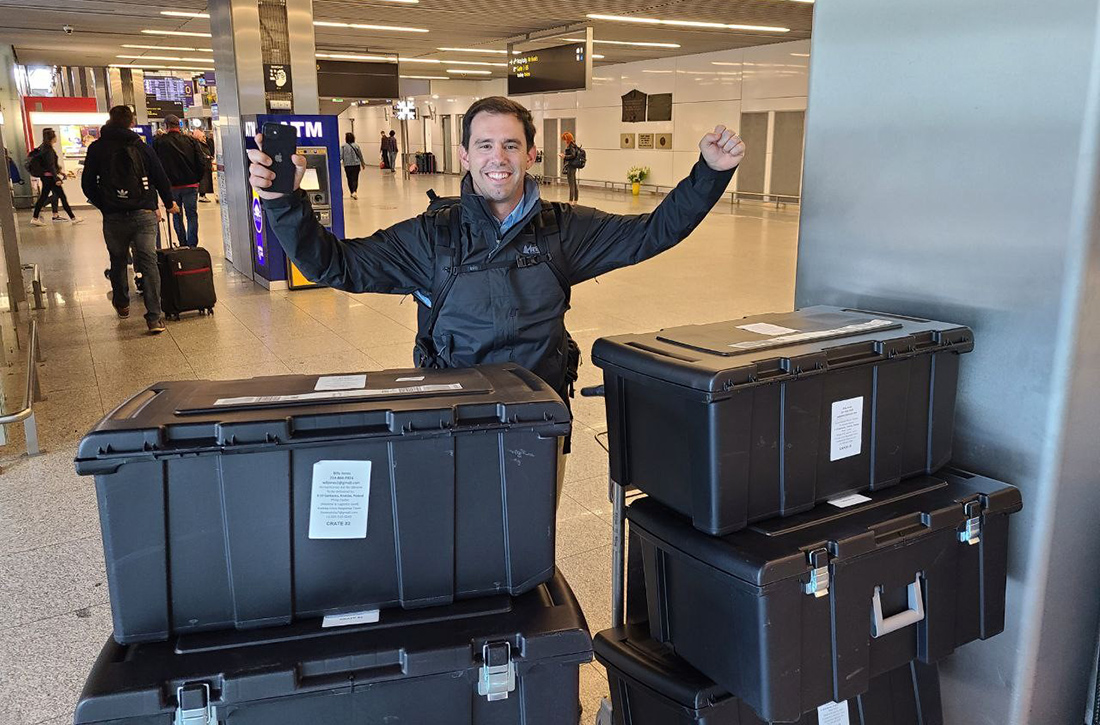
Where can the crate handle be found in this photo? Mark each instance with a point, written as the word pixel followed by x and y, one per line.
pixel 881 626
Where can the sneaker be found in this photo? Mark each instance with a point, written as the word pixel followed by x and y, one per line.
pixel 36 222
pixel 57 218
pixel 77 220
pixel 155 328
pixel 123 312
pixel 354 196
pixel 203 200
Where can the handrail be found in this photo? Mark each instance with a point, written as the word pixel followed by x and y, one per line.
pixel 36 285
pixel 32 393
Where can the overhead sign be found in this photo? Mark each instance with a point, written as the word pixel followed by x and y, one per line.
pixel 405 110
pixel 277 78
pixel 561 68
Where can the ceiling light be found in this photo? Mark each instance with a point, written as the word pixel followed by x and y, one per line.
pixel 403 59
pixel 426 78
pixel 356 56
pixel 153 66
pixel 800 55
pixel 183 14
pixel 478 50
pixel 689 23
pixel 723 62
pixel 361 26
pixel 597 57
pixel 167 57
pixel 627 42
pixel 167 47
pixel 657 71
pixel 811 2
pixel 465 72
pixel 177 32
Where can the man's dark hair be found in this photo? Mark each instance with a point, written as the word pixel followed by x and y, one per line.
pixel 392 132
pixel 349 137
pixel 120 116
pixel 502 105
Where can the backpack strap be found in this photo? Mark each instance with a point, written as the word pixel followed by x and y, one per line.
pixel 448 229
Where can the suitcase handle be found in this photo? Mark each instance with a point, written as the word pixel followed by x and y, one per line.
pixel 881 626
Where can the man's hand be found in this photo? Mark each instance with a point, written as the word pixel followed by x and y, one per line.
pixel 722 149
pixel 175 208
pixel 260 174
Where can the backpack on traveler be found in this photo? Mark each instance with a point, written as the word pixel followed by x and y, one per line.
pixel 124 182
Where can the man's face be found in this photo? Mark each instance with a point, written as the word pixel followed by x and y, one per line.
pixel 498 157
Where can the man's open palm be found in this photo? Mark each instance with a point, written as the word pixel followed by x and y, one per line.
pixel 722 149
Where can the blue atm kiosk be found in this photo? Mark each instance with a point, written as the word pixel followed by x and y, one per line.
pixel 319 143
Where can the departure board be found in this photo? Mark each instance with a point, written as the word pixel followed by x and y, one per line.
pixel 165 95
pixel 561 68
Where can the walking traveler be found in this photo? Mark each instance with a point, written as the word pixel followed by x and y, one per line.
pixel 183 159
pixel 389 149
pixel 351 156
pixel 206 184
pixel 573 159
pixel 123 178
pixel 495 269
pixel 43 163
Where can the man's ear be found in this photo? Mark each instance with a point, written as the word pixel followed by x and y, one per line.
pixel 532 154
pixel 464 157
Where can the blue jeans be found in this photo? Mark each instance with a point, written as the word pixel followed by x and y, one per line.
pixel 188 199
pixel 133 232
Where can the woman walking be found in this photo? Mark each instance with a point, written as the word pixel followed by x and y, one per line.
pixel 44 164
pixel 351 156
pixel 569 165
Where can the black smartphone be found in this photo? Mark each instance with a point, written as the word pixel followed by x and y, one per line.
pixel 281 143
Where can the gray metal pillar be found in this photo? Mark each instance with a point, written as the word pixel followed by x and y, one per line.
pixel 303 55
pixel 13 131
pixel 948 175
pixel 137 88
pixel 236 28
pixel 9 238
pixel 102 87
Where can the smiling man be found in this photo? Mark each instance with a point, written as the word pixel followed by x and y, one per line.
pixel 493 271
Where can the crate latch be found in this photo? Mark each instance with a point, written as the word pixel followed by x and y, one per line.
pixel 971 532
pixel 193 706
pixel 818 585
pixel 497 676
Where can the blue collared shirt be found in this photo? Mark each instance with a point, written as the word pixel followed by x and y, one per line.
pixel 526 202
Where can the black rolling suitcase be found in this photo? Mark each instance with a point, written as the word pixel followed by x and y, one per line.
pixel 186 279
pixel 493 661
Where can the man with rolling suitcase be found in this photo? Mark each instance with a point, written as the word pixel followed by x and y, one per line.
pixel 123 178
pixel 183 159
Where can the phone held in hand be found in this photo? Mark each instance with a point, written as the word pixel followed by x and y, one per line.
pixel 281 143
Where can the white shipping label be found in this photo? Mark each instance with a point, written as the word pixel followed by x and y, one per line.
pixel 341 382
pixel 337 395
pixel 338 500
pixel 417 379
pixel 833 713
pixel 846 431
pixel 764 328
pixel 369 616
pixel 845 501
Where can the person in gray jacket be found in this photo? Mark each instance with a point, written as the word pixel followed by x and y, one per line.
pixel 351 156
pixel 494 269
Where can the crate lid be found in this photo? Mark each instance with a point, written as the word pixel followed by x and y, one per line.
pixel 630 652
pixel 141 681
pixel 193 416
pixel 854 526
pixel 762 349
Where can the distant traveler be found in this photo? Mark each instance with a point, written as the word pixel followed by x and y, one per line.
pixel 389 147
pixel 43 163
pixel 382 148
pixel 206 185
pixel 351 156
pixel 13 170
pixel 182 158
pixel 574 158
pixel 495 269
pixel 122 178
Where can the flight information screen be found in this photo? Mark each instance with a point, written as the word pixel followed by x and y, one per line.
pixel 165 95
pixel 561 68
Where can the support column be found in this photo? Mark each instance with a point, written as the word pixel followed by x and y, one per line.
pixel 937 183
pixel 236 42
pixel 9 237
pixel 137 88
pixel 303 55
pixel 14 134
pixel 102 89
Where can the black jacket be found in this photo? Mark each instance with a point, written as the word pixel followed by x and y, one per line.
pixel 95 163
pixel 182 156
pixel 494 312
pixel 50 163
pixel 570 155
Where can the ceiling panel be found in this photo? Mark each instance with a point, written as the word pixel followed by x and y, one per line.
pixel 102 26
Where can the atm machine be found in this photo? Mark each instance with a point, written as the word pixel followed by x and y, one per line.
pixel 319 143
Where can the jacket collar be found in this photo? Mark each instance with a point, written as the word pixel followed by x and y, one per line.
pixel 476 211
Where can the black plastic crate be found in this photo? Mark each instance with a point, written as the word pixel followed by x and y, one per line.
pixel 493 661
pixel 650 685
pixel 735 422
pixel 806 610
pixel 240 504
